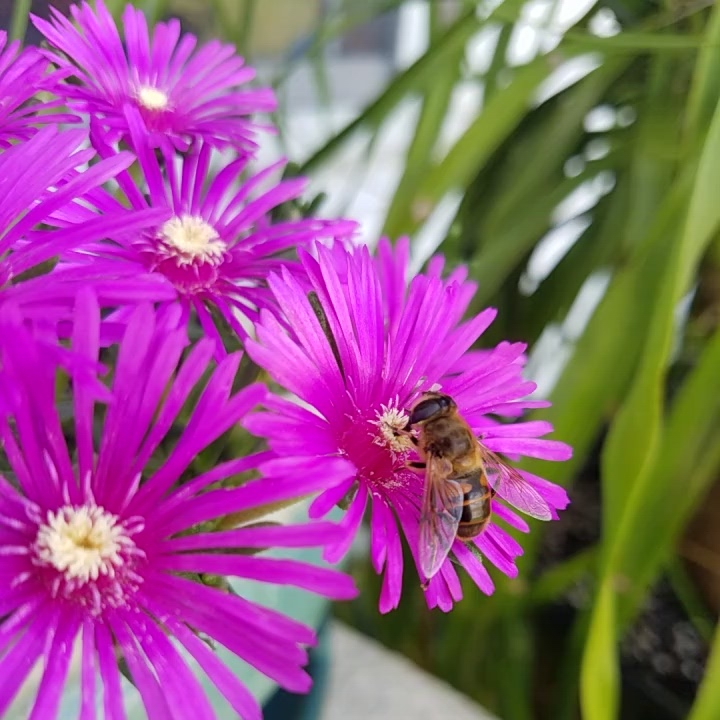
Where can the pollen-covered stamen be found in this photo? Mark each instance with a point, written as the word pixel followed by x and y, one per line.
pixel 391 421
pixel 151 98
pixel 189 239
pixel 82 543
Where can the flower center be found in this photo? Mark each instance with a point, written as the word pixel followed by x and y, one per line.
pixel 82 543
pixel 151 98
pixel 391 421
pixel 190 239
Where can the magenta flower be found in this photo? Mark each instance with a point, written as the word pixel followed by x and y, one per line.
pixel 39 178
pixel 23 74
pixel 393 341
pixel 100 547
pixel 219 244
pixel 180 94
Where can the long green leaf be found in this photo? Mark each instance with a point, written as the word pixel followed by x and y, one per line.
pixel 634 42
pixel 599 677
pixel 409 81
pixel 413 79
pixel 692 430
pixel 707 704
pixel 434 108
pixel 19 20
pixel 634 438
pixel 705 87
pixel 492 126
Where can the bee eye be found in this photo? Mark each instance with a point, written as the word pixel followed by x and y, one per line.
pixel 425 410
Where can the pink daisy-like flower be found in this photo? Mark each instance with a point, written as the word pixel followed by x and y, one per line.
pixel 390 342
pixel 23 74
pixel 38 178
pixel 99 547
pixel 218 245
pixel 181 94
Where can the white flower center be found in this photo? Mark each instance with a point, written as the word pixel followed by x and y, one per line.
pixel 391 421
pixel 151 98
pixel 83 543
pixel 190 239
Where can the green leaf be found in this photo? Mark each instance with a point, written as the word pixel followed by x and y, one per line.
pixel 558 579
pixel 412 80
pixel 692 430
pixel 19 20
pixel 707 704
pixel 689 596
pixel 599 677
pixel 423 71
pixel 629 482
pixel 633 42
pixel 633 438
pixel 434 107
pixel 492 126
pixel 705 87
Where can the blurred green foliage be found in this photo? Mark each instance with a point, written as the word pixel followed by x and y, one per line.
pixel 654 235
pixel 639 396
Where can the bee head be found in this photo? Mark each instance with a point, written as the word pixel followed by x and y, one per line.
pixel 431 406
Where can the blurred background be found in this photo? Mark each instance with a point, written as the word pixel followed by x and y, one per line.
pixel 568 152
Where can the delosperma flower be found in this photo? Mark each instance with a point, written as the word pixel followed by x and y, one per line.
pixel 364 345
pixel 181 93
pixel 101 545
pixel 219 243
pixel 38 178
pixel 24 74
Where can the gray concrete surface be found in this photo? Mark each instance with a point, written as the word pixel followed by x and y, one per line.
pixel 369 682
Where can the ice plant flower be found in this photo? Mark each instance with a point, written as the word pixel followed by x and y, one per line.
pixel 219 243
pixel 24 74
pixel 38 178
pixel 101 547
pixel 362 349
pixel 181 93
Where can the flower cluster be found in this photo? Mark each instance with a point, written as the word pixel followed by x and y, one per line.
pixel 149 270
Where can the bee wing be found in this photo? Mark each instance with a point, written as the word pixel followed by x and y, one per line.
pixel 512 487
pixel 440 515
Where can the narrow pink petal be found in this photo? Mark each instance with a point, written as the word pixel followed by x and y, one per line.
pixel 184 694
pixel 392 580
pixel 349 525
pixel 292 536
pixel 88 672
pixel 327 500
pixel 511 518
pixel 536 428
pixel 474 568
pixel 531 447
pixel 239 697
pixel 263 620
pixel 555 495
pixel 323 581
pixel 270 653
pixel 57 663
pixel 378 533
pixel 113 707
pixel 153 698
pixel 17 662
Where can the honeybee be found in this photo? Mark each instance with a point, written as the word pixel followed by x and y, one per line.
pixel 461 478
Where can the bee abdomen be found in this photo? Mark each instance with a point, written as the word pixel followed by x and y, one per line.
pixel 476 505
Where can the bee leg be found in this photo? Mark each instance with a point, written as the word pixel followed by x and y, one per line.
pixel 416 465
